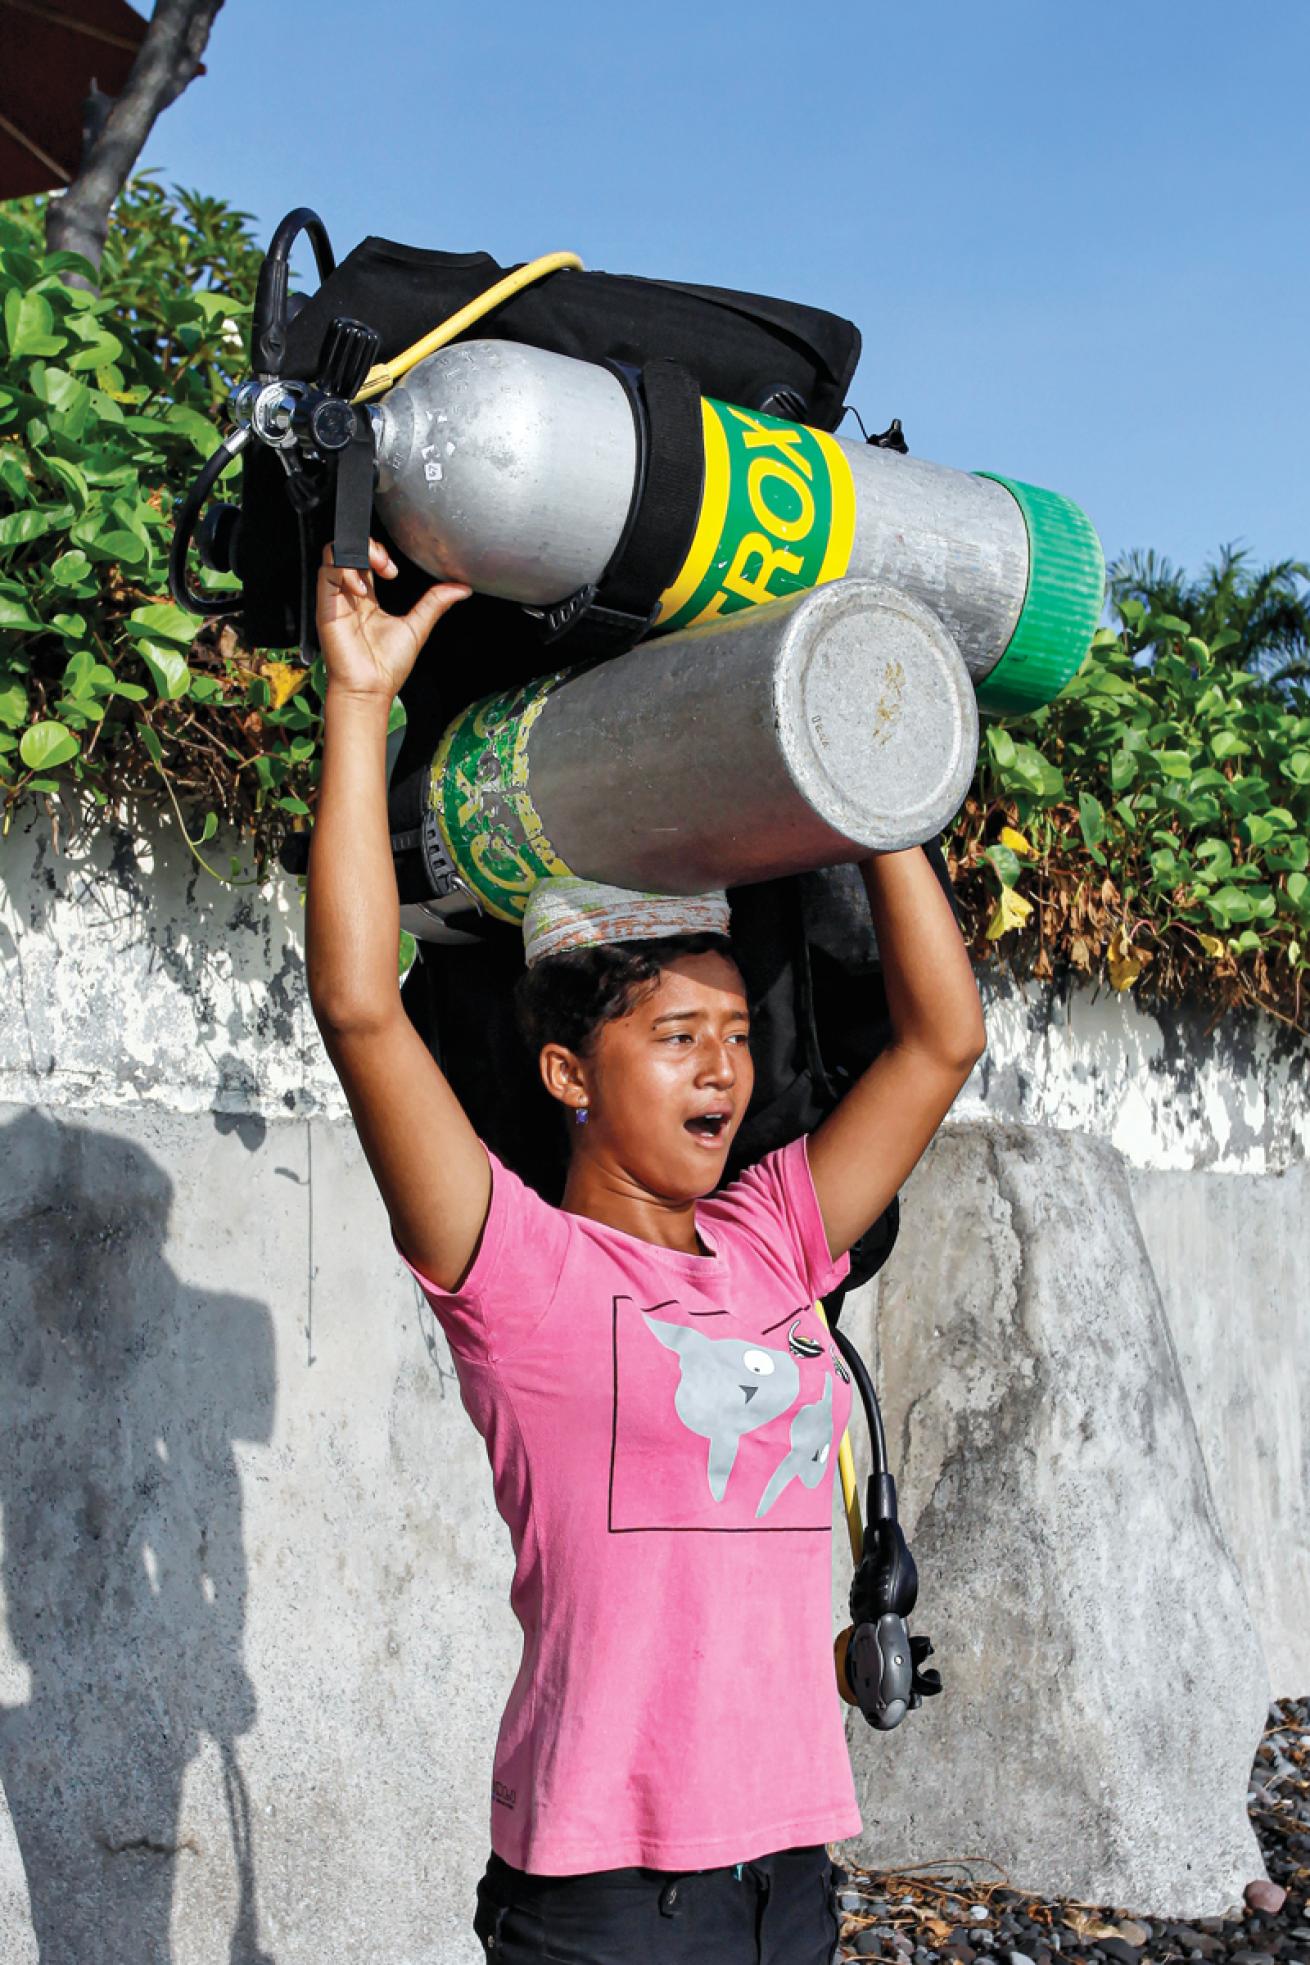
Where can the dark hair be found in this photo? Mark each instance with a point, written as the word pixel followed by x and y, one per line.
pixel 565 998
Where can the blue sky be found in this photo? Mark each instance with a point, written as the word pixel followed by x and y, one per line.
pixel 1073 236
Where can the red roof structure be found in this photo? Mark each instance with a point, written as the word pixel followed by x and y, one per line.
pixel 52 53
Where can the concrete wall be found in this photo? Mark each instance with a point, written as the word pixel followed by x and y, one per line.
pixel 1232 1254
pixel 1174 1091
pixel 1213 1123
pixel 1105 1689
pixel 133 979
pixel 256 1631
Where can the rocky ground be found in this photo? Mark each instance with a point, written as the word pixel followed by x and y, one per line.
pixel 910 1918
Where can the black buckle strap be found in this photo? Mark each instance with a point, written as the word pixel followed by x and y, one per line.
pixel 612 615
pixel 439 870
pixel 592 627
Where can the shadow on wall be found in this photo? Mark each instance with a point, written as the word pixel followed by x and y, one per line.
pixel 122 1393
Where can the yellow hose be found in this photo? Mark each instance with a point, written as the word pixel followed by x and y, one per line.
pixel 386 374
pixel 850 1492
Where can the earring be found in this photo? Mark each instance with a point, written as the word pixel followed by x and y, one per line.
pixel 580 1115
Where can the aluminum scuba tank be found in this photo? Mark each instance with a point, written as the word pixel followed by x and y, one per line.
pixel 514 469
pixel 783 738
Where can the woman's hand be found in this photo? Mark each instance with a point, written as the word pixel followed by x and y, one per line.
pixel 369 652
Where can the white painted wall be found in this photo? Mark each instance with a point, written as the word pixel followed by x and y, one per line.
pixel 1169 1090
pixel 131 975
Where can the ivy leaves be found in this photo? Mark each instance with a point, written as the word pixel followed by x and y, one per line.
pixel 1162 814
pixel 44 745
pixel 29 325
pixel 163 634
pixel 107 690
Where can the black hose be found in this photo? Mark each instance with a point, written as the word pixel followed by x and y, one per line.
pixel 268 326
pixel 868 1397
pixel 188 512
pixel 308 588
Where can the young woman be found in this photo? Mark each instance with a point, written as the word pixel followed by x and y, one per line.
pixel 659 1401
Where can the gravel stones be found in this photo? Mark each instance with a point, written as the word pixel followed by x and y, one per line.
pixel 1116 1949
pixel 938 1920
pixel 1203 1943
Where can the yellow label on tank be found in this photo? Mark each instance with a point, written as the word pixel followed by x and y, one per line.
pixel 777 516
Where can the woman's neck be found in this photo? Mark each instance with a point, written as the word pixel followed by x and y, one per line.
pixel 608 1195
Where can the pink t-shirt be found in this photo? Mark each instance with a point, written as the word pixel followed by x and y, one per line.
pixel 662 1430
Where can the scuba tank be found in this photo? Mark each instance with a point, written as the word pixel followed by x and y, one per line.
pixel 518 471
pixel 770 742
pixel 315 359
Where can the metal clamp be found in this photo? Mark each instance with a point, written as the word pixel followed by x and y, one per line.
pixel 592 628
pixel 438 865
pixel 439 870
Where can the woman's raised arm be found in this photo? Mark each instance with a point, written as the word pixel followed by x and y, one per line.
pixel 863 1150
pixel 426 1158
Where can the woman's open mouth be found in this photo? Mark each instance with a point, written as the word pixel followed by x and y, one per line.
pixel 709 1129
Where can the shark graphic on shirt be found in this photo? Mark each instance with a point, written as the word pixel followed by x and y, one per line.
pixel 728 1387
pixel 811 1443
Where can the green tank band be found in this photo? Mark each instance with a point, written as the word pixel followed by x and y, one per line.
pixel 479 792
pixel 1061 609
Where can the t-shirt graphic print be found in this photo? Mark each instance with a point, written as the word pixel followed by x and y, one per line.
pixel 715 1431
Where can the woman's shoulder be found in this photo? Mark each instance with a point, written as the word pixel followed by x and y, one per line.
pixel 766 1183
pixel 520 1227
pixel 772 1204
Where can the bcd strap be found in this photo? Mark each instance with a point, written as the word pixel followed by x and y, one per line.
pixel 611 616
pixel 354 504
pixel 352 517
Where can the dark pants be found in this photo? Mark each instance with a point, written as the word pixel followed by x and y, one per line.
pixel 780 1909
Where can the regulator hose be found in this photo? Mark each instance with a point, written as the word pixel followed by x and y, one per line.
pixel 881 1668
pixel 188 511
pixel 268 322
pixel 877 1436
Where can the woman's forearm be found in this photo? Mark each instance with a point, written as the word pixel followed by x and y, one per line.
pixel 931 994
pixel 352 916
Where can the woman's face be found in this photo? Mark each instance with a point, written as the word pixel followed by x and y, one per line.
pixel 668 1084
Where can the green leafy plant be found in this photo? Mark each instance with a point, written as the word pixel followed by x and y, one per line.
pixel 108 402
pixel 1256 617
pixel 1150 824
